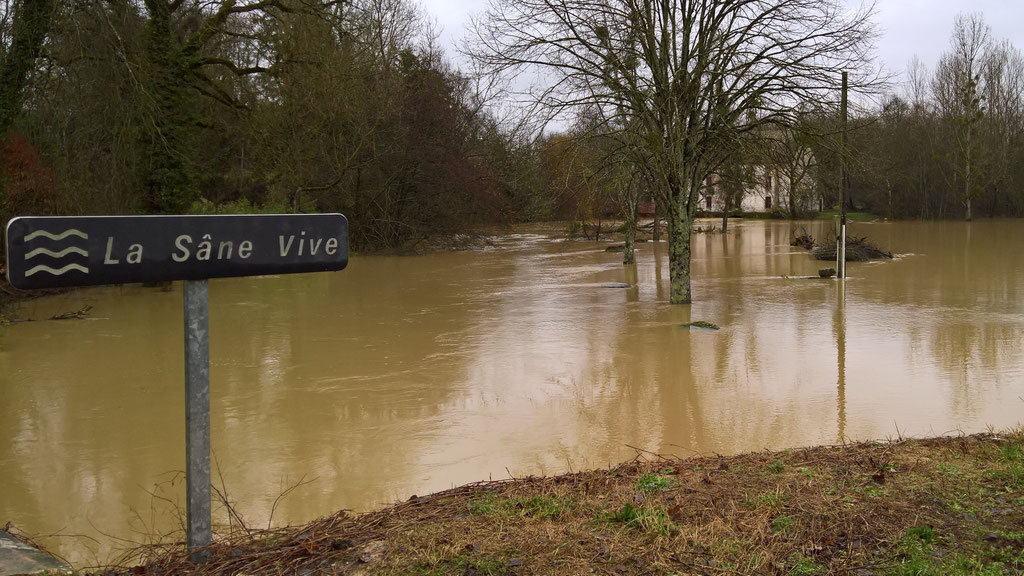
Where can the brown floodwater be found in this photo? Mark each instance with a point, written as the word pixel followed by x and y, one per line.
pixel 407 375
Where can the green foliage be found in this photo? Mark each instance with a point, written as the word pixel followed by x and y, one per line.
pixel 649 483
pixel 166 115
pixel 924 533
pixel 653 521
pixel 625 515
pixel 29 23
pixel 462 563
pixel 803 566
pixel 807 472
pixel 875 491
pixel 240 206
pixel 781 523
pixel 485 505
pixel 1012 472
pixel 1012 453
pixel 770 499
pixel 915 556
pixel 776 467
pixel 541 506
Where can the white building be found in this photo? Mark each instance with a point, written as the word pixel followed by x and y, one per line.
pixel 768 189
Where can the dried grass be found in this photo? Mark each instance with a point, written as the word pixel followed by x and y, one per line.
pixel 829 510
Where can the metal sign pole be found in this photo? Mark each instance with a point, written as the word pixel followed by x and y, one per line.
pixel 843 182
pixel 842 252
pixel 197 417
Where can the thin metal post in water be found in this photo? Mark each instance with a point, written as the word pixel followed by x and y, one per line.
pixel 197 417
pixel 842 252
pixel 843 180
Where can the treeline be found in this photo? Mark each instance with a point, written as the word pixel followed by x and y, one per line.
pixel 951 145
pixel 182 106
pixel 202 106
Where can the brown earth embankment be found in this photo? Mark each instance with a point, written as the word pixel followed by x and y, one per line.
pixel 934 506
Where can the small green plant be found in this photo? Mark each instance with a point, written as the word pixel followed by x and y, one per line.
pixel 912 553
pixel 803 565
pixel 652 521
pixel 781 523
pixel 625 515
pixel 649 483
pixel 461 563
pixel 1013 474
pixel 770 499
pixel 914 557
pixel 1012 453
pixel 542 506
pixel 923 533
pixel 807 472
pixel 875 491
pixel 776 467
pixel 486 505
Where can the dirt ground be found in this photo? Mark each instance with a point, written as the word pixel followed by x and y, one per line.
pixel 934 506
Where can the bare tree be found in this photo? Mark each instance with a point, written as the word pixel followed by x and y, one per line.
pixel 1003 79
pixel 916 89
pixel 788 150
pixel 957 87
pixel 692 74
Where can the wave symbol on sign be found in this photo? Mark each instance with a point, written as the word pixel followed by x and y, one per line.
pixel 69 250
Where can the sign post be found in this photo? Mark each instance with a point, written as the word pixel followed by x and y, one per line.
pixel 197 417
pixel 50 252
pixel 844 182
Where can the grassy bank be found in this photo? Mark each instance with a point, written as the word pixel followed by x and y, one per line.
pixel 939 506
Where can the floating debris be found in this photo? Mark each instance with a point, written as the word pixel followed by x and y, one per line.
pixel 76 315
pixel 804 240
pixel 701 324
pixel 857 250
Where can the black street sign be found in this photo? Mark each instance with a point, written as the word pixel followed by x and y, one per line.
pixel 50 252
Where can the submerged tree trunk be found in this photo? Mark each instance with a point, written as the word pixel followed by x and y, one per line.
pixel 679 225
pixel 792 198
pixel 656 233
pixel 631 202
pixel 725 212
pixel 627 253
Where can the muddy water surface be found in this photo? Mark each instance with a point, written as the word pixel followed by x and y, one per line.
pixel 406 375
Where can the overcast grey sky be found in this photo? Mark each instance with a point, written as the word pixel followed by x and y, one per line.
pixel 907 27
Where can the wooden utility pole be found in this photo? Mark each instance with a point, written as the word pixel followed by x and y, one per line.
pixel 843 182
